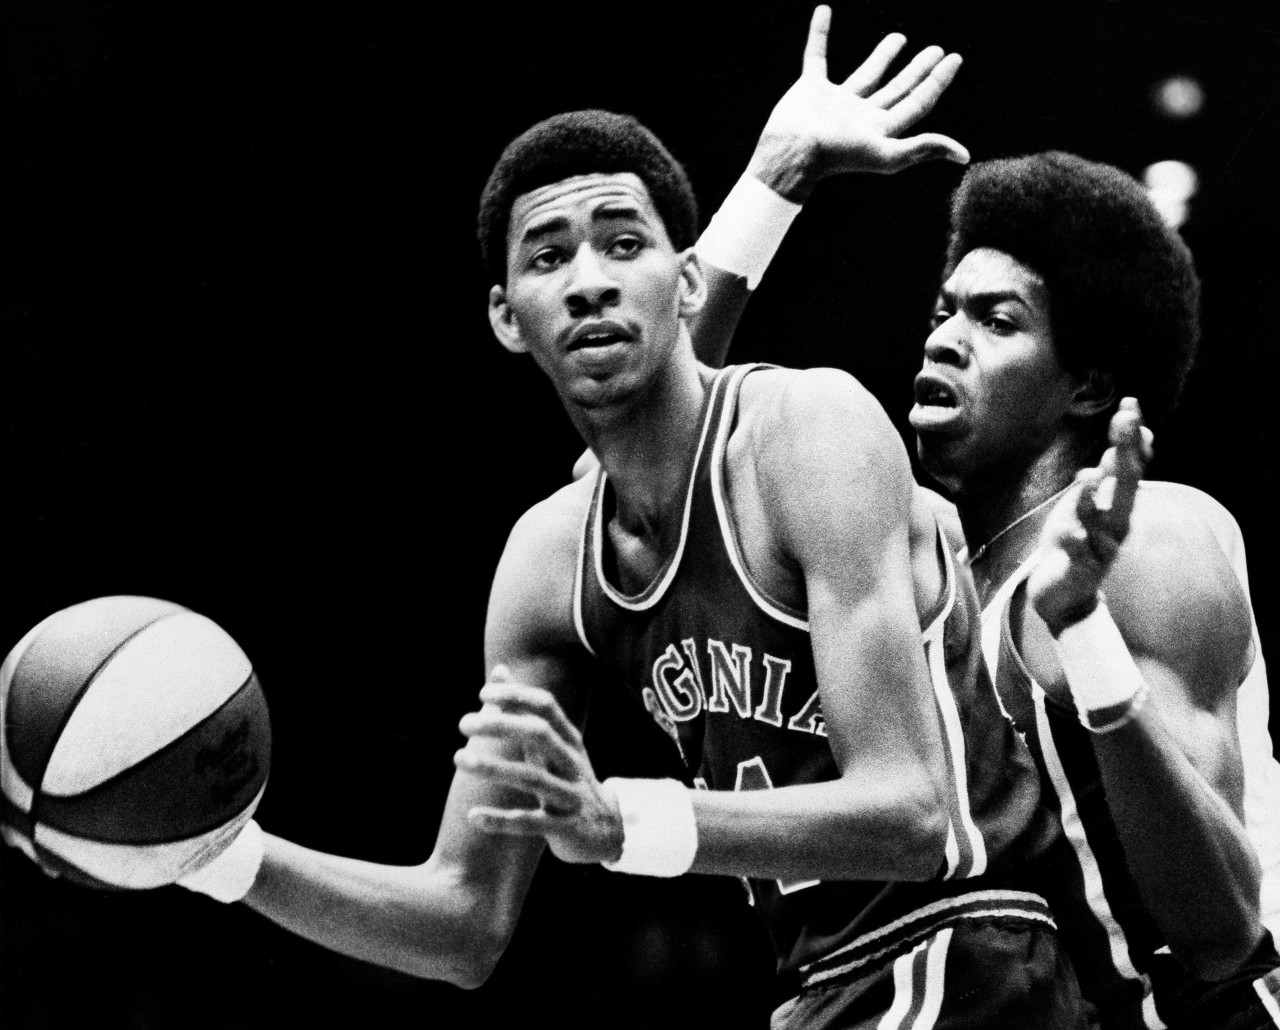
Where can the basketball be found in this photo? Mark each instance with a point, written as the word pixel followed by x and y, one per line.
pixel 134 741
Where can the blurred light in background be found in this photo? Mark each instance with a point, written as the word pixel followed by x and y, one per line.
pixel 1178 96
pixel 1171 184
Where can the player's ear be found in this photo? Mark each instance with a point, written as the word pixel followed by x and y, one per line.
pixel 503 321
pixel 693 284
pixel 1095 393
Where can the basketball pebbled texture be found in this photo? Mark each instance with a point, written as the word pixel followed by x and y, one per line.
pixel 134 740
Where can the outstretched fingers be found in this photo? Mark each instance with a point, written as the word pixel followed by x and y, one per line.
pixel 923 94
pixel 1116 479
pixel 915 72
pixel 815 47
pixel 868 74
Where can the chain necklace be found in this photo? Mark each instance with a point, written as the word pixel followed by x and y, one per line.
pixel 1021 518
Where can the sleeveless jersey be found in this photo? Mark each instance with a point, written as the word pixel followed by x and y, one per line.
pixel 728 673
pixel 1124 967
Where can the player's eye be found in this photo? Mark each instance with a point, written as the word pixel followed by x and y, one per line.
pixel 999 324
pixel 546 259
pixel 625 246
pixel 939 316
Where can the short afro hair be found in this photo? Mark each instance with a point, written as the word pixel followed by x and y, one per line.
pixel 1124 297
pixel 583 143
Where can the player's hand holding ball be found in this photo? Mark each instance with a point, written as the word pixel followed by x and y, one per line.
pixel 134 748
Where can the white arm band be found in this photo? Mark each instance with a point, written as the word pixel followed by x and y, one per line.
pixel 229 876
pixel 659 832
pixel 746 232
pixel 1105 682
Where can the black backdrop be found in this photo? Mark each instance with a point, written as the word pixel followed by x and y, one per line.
pixel 246 367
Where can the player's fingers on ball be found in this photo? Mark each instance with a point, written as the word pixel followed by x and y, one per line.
pixel 864 78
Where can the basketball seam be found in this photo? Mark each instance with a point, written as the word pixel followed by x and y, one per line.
pixel 155 756
pixel 38 793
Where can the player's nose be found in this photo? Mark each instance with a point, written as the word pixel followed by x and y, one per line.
pixel 591 284
pixel 947 343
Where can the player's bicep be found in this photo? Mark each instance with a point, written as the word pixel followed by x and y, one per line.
pixel 1202 723
pixel 849 532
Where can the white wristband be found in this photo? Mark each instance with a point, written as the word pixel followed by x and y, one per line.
pixel 1105 682
pixel 659 831
pixel 229 876
pixel 746 232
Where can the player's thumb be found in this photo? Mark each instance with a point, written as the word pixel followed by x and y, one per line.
pixel 928 146
pixel 500 674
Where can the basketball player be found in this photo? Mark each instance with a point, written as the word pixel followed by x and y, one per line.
pixel 755 561
pixel 1116 613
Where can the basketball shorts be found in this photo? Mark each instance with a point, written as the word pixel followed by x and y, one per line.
pixel 1000 972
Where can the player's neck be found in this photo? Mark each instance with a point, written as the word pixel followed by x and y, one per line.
pixel 648 449
pixel 1004 512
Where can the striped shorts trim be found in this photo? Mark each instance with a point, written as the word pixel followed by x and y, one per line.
pixel 907 931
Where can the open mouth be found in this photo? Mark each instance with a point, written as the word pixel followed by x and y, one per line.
pixel 603 335
pixel 937 407
pixel 934 393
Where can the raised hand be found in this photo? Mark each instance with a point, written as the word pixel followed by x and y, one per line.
pixel 1084 531
pixel 577 816
pixel 855 125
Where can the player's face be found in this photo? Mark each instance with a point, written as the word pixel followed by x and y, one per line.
pixel 595 290
pixel 991 390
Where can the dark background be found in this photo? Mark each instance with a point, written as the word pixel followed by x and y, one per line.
pixel 246 367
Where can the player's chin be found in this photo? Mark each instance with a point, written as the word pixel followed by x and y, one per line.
pixel 942 456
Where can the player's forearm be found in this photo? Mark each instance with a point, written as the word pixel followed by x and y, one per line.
pixel 1186 849
pixel 874 828
pixel 416 919
pixel 745 233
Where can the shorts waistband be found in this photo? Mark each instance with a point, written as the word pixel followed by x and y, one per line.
pixel 913 927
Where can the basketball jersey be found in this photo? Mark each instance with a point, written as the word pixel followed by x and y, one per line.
pixel 728 673
pixel 1123 964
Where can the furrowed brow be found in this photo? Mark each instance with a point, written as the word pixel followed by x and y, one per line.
pixel 541 230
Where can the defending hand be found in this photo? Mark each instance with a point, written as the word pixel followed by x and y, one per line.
pixel 854 126
pixel 576 814
pixel 1084 531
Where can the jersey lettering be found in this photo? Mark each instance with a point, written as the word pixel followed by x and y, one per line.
pixel 679 689
pixel 809 718
pixel 730 678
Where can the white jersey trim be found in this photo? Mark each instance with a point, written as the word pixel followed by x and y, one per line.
pixel 579 622
pixel 730 537
pixel 935 656
pixel 1073 828
pixel 653 593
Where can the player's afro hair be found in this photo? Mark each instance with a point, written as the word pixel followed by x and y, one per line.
pixel 1123 292
pixel 583 143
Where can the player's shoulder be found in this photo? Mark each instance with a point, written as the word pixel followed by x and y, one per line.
pixel 1173 585
pixel 788 393
pixel 533 586
pixel 818 414
pixel 551 529
pixel 1178 505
